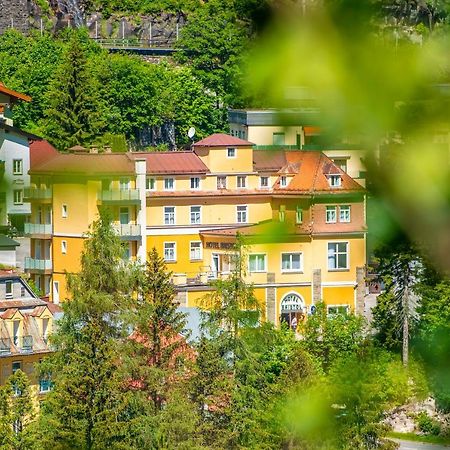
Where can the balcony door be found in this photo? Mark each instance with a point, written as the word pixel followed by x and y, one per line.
pixel 124 216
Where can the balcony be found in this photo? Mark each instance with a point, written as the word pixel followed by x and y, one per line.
pixel 198 278
pixel 38 229
pixel 34 265
pixel 5 346
pixel 34 193
pixel 119 196
pixel 128 231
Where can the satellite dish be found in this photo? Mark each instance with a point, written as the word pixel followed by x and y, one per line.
pixel 191 132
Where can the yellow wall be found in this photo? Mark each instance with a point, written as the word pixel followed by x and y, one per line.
pixel 216 159
pixel 263 135
pixel 69 262
pixel 339 295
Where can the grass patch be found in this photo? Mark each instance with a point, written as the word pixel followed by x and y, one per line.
pixel 429 439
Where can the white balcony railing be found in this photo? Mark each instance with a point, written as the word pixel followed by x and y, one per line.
pixel 34 193
pixel 127 229
pixel 38 264
pixel 118 195
pixel 38 228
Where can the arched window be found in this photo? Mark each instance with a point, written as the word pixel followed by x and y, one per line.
pixel 292 309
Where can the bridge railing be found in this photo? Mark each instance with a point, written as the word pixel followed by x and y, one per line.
pixel 140 43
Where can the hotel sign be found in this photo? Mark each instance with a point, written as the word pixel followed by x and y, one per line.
pixel 220 245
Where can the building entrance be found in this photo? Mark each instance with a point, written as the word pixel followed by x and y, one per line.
pixel 292 310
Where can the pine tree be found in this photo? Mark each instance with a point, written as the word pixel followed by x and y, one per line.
pixel 87 408
pixel 74 114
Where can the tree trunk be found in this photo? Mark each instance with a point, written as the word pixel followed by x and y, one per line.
pixel 405 346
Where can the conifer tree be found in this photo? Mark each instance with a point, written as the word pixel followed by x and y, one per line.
pixel 87 407
pixel 74 114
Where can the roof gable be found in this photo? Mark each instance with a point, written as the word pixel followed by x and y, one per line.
pixel 222 140
pixel 14 94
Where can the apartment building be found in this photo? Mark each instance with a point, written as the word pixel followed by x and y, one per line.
pixel 297 128
pixel 301 216
pixel 26 321
pixel 14 161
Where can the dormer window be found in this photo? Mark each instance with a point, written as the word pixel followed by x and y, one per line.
pixel 231 153
pixel 283 181
pixel 9 289
pixel 335 180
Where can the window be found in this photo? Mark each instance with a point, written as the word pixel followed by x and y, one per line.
pixel 196 250
pixel 278 139
pixel 126 254
pixel 195 183
pixel 341 163
pixel 331 214
pixel 337 255
pixel 291 262
pixel 337 310
pixel 196 214
pixel 298 215
pixel 16 365
pixel 283 181
pixel 282 213
pixel 150 184
pixel 16 326
pixel 63 247
pixel 231 153
pixel 241 181
pixel 17 167
pixel 64 211
pixel 334 180
pixel 169 251
pixel 241 212
pixel 45 384
pixel 264 182
pixel 124 215
pixel 22 291
pixel 45 329
pixel 257 263
pixel 344 213
pixel 18 196
pixel 169 184
pixel 221 182
pixel 9 289
pixel 124 184
pixel 169 215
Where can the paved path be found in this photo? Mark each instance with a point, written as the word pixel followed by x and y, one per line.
pixel 410 445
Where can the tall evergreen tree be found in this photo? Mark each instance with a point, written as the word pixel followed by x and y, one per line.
pixel 74 116
pixel 87 408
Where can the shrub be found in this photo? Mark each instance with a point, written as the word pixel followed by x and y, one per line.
pixel 427 424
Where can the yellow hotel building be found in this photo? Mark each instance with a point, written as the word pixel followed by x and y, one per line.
pixel 302 218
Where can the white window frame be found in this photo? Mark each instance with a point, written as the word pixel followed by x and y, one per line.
pixel 257 256
pixel 261 184
pixel 173 249
pixel 149 181
pixel 221 185
pixel 283 181
pixel 169 216
pixel 345 213
pixel 10 284
pixel 199 212
pixel 18 196
pixel 64 247
pixel 330 214
pixel 196 181
pixel 242 213
pixel 239 180
pixel 166 184
pixel 64 211
pixel 298 215
pixel 291 269
pixel 335 180
pixel 18 170
pixel 336 254
pixel 195 251
pixel 231 152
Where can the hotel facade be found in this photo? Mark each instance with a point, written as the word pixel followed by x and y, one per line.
pixel 301 217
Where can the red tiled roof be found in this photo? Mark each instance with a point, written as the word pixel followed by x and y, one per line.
pixel 214 193
pixel 222 140
pixel 268 160
pixel 40 152
pixel 312 175
pixel 21 303
pixel 311 131
pixel 172 162
pixel 14 94
pixel 9 313
pixel 88 164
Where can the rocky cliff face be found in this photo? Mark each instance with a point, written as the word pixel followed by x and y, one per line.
pixel 26 15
